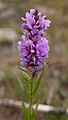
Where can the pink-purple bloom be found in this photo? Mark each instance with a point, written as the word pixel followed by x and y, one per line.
pixel 34 46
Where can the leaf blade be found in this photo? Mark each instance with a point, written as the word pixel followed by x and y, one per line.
pixel 37 83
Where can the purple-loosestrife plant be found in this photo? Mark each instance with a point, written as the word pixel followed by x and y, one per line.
pixel 34 50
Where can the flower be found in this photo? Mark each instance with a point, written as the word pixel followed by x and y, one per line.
pixel 34 46
pixel 35 20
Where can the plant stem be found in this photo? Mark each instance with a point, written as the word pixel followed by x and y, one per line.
pixel 31 86
pixel 30 105
pixel 31 97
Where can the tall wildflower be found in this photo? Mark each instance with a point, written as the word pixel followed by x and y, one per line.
pixel 34 50
pixel 34 46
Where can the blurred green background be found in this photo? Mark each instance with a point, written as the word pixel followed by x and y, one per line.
pixel 54 86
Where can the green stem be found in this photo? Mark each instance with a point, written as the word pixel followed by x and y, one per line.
pixel 30 105
pixel 31 97
pixel 31 86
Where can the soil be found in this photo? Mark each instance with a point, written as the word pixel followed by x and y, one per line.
pixel 10 114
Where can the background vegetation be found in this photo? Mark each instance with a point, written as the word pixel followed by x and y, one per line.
pixel 54 87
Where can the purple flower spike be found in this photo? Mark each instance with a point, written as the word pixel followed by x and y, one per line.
pixel 34 47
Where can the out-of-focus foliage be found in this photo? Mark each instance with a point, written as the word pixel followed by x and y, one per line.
pixel 54 87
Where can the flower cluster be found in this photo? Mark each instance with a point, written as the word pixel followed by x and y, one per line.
pixel 34 46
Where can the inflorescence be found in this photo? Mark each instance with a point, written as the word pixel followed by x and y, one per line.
pixel 34 46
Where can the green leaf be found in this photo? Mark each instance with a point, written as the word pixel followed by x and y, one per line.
pixel 25 111
pixel 24 73
pixel 37 106
pixel 32 78
pixel 37 83
pixel 25 79
pixel 25 84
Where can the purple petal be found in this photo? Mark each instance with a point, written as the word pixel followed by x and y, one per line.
pixel 32 12
pixel 23 37
pixel 24 19
pixel 30 19
pixel 47 22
